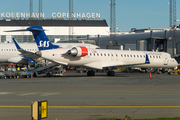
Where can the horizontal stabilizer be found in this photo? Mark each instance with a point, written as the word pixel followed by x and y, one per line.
pixel 16 30
pixel 33 28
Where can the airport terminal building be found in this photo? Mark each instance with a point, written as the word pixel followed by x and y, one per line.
pixel 56 29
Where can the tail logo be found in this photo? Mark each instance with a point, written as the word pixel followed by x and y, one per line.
pixel 43 44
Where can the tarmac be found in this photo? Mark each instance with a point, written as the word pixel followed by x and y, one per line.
pixel 75 96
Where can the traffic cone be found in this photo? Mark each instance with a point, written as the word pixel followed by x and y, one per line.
pixel 31 76
pixel 64 70
pixel 150 75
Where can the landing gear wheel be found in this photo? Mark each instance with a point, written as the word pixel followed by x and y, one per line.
pixel 48 75
pixel 34 75
pixel 90 73
pixel 110 73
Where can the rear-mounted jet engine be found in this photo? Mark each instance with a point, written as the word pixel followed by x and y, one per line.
pixel 78 51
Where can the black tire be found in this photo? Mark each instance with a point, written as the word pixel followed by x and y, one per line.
pixel 34 75
pixel 48 75
pixel 90 73
pixel 110 73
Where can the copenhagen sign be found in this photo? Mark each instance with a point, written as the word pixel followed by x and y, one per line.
pixel 76 15
pixel 53 15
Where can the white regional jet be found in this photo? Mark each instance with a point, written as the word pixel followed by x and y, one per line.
pixel 99 58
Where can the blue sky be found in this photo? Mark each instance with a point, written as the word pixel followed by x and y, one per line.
pixel 129 13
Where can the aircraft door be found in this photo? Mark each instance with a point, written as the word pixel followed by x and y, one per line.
pixel 116 56
pixel 112 56
pixel 165 60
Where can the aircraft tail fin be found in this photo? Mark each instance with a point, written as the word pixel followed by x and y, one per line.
pixel 41 39
pixel 16 44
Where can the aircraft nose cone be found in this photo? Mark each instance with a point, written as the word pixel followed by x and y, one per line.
pixel 39 53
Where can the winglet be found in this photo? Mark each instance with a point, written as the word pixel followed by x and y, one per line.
pixel 147 60
pixel 16 44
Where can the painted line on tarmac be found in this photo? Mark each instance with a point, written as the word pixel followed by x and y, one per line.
pixel 95 106
pixel 15 106
pixel 25 94
pixel 114 106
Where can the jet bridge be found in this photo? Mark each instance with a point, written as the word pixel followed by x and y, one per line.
pixel 159 44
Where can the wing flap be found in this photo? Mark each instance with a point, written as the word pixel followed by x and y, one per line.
pixel 118 65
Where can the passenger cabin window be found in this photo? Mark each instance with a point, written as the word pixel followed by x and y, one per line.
pixel 144 56
pixel 134 55
pixel 121 55
pixel 104 54
pixel 141 56
pixel 131 55
pixel 127 55
pixel 137 55
pixel 101 54
pixel 108 55
pixel 97 54
pixel 124 55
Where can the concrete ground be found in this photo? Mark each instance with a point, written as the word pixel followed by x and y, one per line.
pixel 78 97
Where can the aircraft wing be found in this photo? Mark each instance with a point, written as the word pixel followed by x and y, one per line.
pixel 104 65
pixel 28 55
pixel 119 65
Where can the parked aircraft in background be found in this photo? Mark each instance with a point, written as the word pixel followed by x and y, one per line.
pixel 97 58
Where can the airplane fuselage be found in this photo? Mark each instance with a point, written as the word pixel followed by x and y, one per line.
pixel 102 58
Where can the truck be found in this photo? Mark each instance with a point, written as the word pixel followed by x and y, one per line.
pixel 48 70
pixel 24 73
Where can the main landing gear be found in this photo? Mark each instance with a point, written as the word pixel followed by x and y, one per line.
pixel 110 73
pixel 91 73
